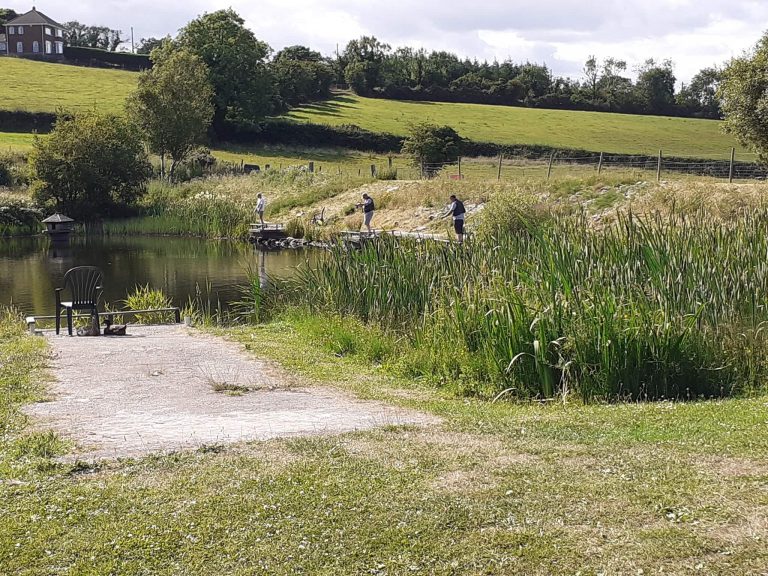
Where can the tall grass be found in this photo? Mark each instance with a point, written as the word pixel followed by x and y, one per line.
pixel 222 206
pixel 667 306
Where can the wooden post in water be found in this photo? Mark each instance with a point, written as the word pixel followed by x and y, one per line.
pixel 658 168
pixel 459 167
pixel 600 164
pixel 730 170
pixel 549 168
pixel 501 157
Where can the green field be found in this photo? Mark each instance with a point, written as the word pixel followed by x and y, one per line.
pixel 15 142
pixel 598 131
pixel 44 87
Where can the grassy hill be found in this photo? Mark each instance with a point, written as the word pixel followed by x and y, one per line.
pixel 596 131
pixel 43 87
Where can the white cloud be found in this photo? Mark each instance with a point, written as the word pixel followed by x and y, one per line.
pixel 562 33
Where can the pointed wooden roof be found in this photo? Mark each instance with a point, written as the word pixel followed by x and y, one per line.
pixel 33 18
pixel 57 218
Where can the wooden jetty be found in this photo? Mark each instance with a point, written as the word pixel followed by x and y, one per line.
pixel 259 234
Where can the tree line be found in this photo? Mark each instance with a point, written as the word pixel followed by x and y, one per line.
pixel 372 68
pixel 273 82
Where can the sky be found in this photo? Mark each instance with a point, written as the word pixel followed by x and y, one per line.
pixel 560 33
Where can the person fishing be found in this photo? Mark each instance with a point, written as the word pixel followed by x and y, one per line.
pixel 261 203
pixel 368 207
pixel 457 210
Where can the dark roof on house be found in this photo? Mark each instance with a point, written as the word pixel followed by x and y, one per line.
pixel 33 18
pixel 57 218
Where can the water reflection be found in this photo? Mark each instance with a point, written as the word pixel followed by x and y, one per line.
pixel 30 268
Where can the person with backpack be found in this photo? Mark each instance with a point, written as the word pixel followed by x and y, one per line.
pixel 457 210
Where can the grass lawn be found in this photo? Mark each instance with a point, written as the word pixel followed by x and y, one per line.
pixel 621 133
pixel 495 489
pixel 45 87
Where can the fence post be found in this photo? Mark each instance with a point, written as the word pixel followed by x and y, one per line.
pixel 390 162
pixel 373 170
pixel 459 167
pixel 422 169
pixel 311 167
pixel 730 170
pixel 501 157
pixel 658 168
pixel 600 164
pixel 549 168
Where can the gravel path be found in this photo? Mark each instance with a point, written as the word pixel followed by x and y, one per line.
pixel 153 391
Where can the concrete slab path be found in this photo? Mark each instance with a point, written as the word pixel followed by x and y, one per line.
pixel 154 391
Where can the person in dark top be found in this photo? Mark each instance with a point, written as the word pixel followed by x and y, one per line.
pixel 457 210
pixel 368 208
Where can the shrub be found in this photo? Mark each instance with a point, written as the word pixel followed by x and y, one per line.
pixel 146 298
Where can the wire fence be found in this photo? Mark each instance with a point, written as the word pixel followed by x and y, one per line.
pixel 510 167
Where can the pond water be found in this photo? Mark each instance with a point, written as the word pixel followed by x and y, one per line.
pixel 30 268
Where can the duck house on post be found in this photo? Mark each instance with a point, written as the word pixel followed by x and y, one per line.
pixel 59 227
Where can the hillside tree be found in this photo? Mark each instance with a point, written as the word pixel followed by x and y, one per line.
pixel 6 15
pixel 744 98
pixel 237 66
pixel 430 145
pixel 655 86
pixel 89 166
pixel 173 105
pixel 146 45
pixel 103 37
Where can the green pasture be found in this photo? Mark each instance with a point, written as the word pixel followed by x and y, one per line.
pixel 44 87
pixel 15 142
pixel 597 131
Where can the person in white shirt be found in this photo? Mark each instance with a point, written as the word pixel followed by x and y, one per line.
pixel 261 203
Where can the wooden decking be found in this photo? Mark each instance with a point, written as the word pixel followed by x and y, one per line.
pixel 259 233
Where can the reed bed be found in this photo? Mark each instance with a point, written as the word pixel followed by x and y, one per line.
pixel 222 206
pixel 658 306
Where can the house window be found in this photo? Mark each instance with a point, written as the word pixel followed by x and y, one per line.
pixel 48 48
pixel 3 47
pixel 48 32
pixel 35 47
pixel 59 47
pixel 11 30
pixel 21 30
pixel 20 47
pixel 59 32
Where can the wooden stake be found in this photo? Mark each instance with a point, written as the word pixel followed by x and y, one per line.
pixel 730 170
pixel 658 168
pixel 459 167
pixel 600 164
pixel 549 168
pixel 501 157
